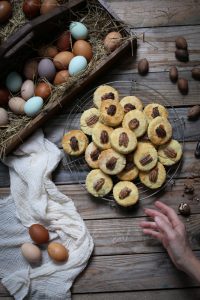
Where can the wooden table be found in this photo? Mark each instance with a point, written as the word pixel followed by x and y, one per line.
pixel 125 263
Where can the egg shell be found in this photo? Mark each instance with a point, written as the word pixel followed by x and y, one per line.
pixel 31 8
pixel 27 89
pixel 112 40
pixel 43 90
pixel 39 234
pixel 46 69
pixel 48 6
pixel 50 51
pixel 61 77
pixel 78 30
pixel 16 105
pixel 14 82
pixel 5 11
pixel 77 65
pixel 4 95
pixel 31 69
pixel 83 48
pixel 63 42
pixel 57 252
pixel 62 60
pixel 3 117
pixel 31 253
pixel 33 106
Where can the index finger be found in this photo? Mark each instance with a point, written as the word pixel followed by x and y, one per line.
pixel 169 212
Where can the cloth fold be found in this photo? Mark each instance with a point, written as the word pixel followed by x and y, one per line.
pixel 35 199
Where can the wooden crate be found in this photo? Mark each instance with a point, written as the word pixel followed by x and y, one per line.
pixel 37 29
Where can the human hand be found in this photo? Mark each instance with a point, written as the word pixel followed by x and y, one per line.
pixel 169 229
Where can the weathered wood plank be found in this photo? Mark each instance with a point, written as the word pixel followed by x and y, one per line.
pixel 131 273
pixel 178 294
pixel 146 13
pixel 92 208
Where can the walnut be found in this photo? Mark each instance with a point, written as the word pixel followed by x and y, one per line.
pixel 74 143
pixel 146 159
pixel 160 131
pixel 123 139
pixel 104 137
pixel 98 184
pixel 169 152
pixel 108 96
pixel 111 111
pixel 153 175
pixel 111 163
pixel 128 107
pixel 125 192
pixel 95 154
pixel 93 119
pixel 133 124
pixel 155 112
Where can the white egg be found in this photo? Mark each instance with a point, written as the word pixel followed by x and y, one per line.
pixel 3 117
pixel 33 106
pixel 16 105
pixel 27 89
pixel 31 252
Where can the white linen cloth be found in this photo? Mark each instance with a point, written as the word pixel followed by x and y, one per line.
pixel 35 199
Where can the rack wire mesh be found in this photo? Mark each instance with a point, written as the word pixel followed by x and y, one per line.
pixel 78 167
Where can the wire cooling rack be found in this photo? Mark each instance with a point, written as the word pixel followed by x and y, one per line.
pixel 78 167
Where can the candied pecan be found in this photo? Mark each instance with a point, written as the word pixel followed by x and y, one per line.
pixel 95 154
pixel 128 107
pixel 104 137
pixel 111 163
pixel 74 143
pixel 125 192
pixel 98 184
pixel 123 139
pixel 108 96
pixel 93 119
pixel 160 131
pixel 133 124
pixel 145 160
pixel 153 175
pixel 111 111
pixel 155 112
pixel 169 152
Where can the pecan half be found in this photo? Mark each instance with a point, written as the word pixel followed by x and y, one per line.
pixel 153 175
pixel 111 163
pixel 133 124
pixel 129 166
pixel 74 143
pixel 169 152
pixel 123 139
pixel 95 154
pixel 155 112
pixel 160 131
pixel 145 160
pixel 111 111
pixel 104 137
pixel 125 192
pixel 108 96
pixel 98 184
pixel 128 107
pixel 93 119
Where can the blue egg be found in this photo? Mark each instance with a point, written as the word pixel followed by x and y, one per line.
pixel 33 106
pixel 14 82
pixel 78 30
pixel 77 65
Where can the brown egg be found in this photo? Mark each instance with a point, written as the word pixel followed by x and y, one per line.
pixel 48 6
pixel 49 52
pixel 5 11
pixel 3 117
pixel 31 8
pixel 4 96
pixel 83 48
pixel 43 90
pixel 62 60
pixel 16 105
pixel 31 69
pixel 112 41
pixel 63 42
pixel 61 77
pixel 39 234
pixel 57 252
pixel 31 252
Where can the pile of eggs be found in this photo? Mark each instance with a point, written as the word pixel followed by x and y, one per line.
pixel 40 235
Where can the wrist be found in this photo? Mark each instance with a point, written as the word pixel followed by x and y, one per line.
pixel 190 265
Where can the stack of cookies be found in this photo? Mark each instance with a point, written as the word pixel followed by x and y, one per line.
pixel 127 141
